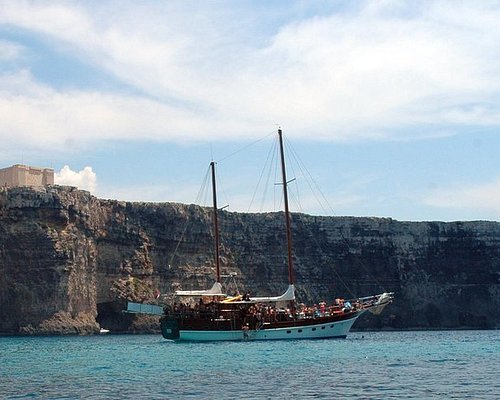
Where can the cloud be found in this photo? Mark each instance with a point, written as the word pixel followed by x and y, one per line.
pixel 85 179
pixel 9 51
pixel 378 70
pixel 57 117
pixel 481 199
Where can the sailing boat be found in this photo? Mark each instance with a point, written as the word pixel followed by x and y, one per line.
pixel 218 317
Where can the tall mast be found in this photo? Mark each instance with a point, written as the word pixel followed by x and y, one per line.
pixel 216 221
pixel 291 278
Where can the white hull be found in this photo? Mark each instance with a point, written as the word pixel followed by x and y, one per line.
pixel 338 329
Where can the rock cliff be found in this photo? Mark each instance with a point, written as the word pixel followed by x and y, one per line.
pixel 68 260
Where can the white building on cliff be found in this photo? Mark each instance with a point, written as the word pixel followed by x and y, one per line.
pixel 24 175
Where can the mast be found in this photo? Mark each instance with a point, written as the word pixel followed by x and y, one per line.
pixel 291 277
pixel 216 222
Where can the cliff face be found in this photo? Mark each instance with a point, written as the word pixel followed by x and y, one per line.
pixel 47 261
pixel 67 259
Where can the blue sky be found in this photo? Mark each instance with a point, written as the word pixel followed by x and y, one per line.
pixel 393 106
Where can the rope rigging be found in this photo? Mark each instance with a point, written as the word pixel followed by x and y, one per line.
pixel 297 168
pixel 315 188
pixel 203 189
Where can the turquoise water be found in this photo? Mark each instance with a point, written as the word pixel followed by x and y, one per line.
pixel 369 365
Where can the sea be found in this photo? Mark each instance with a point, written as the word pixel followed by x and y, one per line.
pixel 366 365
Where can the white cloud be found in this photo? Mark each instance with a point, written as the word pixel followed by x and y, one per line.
pixel 85 179
pixel 480 199
pixel 67 117
pixel 9 51
pixel 373 72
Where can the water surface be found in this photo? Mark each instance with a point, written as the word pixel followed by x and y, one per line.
pixel 369 365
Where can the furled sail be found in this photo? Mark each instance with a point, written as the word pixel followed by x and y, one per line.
pixel 289 295
pixel 215 290
pixel 382 301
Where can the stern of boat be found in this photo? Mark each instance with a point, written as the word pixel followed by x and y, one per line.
pixel 169 328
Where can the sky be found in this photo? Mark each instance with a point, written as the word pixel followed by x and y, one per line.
pixel 393 107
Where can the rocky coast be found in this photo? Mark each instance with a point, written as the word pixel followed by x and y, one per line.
pixel 69 261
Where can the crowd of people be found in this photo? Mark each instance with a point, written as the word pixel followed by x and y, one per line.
pixel 257 314
pixel 263 313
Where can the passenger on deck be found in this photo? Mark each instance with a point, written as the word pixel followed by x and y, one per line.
pixel 322 308
pixel 245 328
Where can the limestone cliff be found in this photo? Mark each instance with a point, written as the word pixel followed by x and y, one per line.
pixel 68 261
